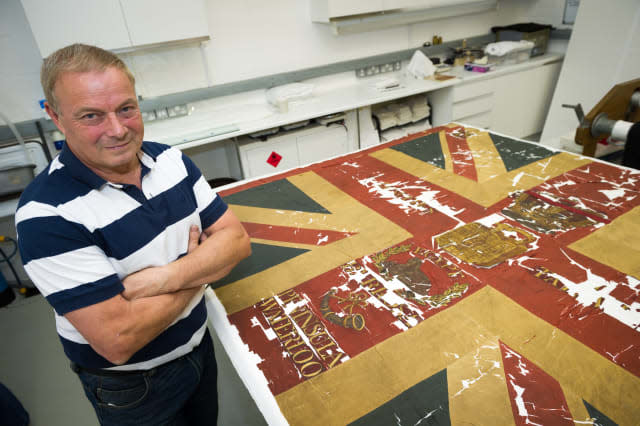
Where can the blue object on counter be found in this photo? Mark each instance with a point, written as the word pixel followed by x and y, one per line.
pixel 58 144
pixel 477 67
pixel 41 102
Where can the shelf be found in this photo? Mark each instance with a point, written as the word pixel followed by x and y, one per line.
pixel 165 44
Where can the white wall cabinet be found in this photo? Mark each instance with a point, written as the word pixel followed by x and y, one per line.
pixel 113 24
pixel 159 21
pixel 325 10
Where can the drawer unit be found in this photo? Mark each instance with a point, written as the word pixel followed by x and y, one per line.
pixel 471 107
pixel 473 103
pixel 296 147
pixel 483 120
pixel 473 90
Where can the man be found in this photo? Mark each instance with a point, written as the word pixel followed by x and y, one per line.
pixel 110 234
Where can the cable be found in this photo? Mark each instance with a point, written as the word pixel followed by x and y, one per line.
pixel 45 147
pixel 15 274
pixel 26 291
pixel 15 247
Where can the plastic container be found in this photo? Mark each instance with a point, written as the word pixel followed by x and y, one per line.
pixel 513 57
pixel 537 33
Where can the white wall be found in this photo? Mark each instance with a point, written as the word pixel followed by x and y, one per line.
pixel 604 50
pixel 249 38
pixel 19 64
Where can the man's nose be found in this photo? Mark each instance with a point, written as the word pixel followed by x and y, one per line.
pixel 114 126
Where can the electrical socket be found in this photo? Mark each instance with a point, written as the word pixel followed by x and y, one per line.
pixel 386 67
pixel 371 70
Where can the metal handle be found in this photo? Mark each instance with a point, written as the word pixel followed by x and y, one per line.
pixel 635 99
pixel 578 110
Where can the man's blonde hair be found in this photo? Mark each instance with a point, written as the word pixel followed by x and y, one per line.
pixel 76 58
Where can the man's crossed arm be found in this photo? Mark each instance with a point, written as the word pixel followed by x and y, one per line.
pixel 222 246
pixel 154 297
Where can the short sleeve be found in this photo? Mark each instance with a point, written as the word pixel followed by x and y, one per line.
pixel 63 261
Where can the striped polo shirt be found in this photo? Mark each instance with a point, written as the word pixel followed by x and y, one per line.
pixel 80 236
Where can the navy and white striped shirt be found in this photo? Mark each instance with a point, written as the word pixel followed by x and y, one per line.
pixel 80 235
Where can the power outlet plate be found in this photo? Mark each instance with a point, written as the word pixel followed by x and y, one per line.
pixel 372 70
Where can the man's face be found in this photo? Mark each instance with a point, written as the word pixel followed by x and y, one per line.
pixel 99 116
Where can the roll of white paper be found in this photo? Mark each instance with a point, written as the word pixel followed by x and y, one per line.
pixel 621 130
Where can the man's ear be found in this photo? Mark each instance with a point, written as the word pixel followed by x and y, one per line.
pixel 54 116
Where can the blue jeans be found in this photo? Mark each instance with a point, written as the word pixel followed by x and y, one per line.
pixel 180 392
pixel 12 413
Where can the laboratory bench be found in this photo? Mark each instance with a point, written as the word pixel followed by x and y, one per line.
pixel 511 99
pixel 247 113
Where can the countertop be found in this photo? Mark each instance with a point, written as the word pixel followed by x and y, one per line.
pixel 222 118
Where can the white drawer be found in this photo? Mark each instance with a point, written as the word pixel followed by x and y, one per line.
pixel 472 107
pixel 327 143
pixel 254 156
pixel 483 120
pixel 473 90
pixel 297 148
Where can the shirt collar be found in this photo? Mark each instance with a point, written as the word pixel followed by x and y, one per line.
pixel 80 171
pixel 147 160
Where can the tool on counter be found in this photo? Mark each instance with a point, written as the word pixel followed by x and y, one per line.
pixel 440 68
pixel 462 54
pixel 387 84
pixel 617 116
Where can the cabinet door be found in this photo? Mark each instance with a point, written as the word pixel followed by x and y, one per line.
pixel 325 143
pixel 522 100
pixel 425 4
pixel 338 8
pixel 254 156
pixel 56 24
pixel 157 21
pixel 468 108
pixel 400 4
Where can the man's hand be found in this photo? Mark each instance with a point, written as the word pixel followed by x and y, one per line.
pixel 155 280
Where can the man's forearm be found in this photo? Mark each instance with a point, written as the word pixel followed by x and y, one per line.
pixel 122 327
pixel 212 260
pixel 225 243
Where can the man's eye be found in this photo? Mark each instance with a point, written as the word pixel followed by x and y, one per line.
pixel 89 116
pixel 128 111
